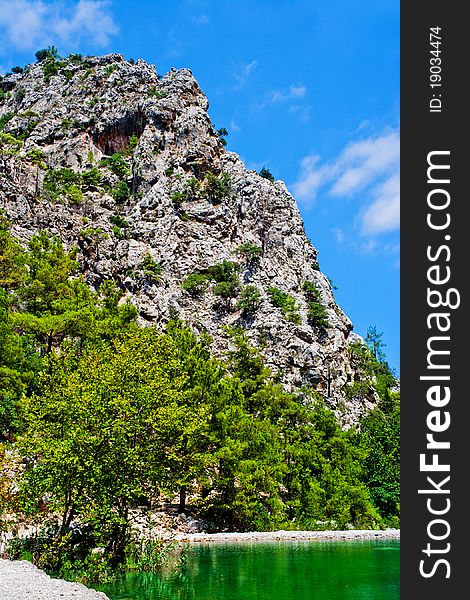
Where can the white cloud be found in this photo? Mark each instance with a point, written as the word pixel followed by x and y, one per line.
pixel 383 214
pixel 295 92
pixel 392 248
pixel 368 246
pixel 292 98
pixel 370 166
pixel 244 73
pixel 365 124
pixel 338 233
pixel 362 162
pixel 302 111
pixel 30 24
pixel 312 177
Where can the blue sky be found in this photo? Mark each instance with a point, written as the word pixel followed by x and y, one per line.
pixel 309 89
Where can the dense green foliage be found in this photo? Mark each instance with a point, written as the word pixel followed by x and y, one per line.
pixel 150 413
pixel 109 416
pixel 227 281
pixel 9 144
pixel 44 303
pixel 118 221
pixel 50 61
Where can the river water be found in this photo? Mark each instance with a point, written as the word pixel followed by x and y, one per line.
pixel 320 570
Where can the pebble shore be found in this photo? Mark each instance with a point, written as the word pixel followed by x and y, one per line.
pixel 269 536
pixel 21 580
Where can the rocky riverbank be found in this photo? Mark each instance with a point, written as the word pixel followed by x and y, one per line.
pixel 269 536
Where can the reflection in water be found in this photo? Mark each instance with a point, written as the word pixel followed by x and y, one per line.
pixel 359 570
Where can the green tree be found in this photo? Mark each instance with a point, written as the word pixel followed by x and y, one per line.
pixel 222 133
pixel 217 187
pixel 266 174
pixel 9 144
pixel 5 119
pixel 12 259
pixel 91 178
pixel 112 316
pixel 19 363
pixel 50 61
pixel 380 437
pixel 371 372
pixel 96 425
pixel 250 299
pixel 246 364
pixel 227 290
pixel 251 253
pixel 379 433
pixel 227 285
pixel 246 480
pixel 50 52
pixel 151 268
pixel 121 192
pixel 57 304
pixel 316 313
pixel 62 181
pixel 224 271
pixel 282 458
pixel 53 303
pixel 117 164
pixel 374 342
pixel 189 444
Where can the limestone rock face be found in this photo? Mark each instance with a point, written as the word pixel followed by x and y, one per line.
pixel 96 107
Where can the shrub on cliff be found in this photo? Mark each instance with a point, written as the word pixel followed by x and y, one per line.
pixel 266 174
pixel 217 187
pixel 117 164
pixel 121 192
pixel 250 299
pixel 251 253
pixel 195 284
pixel 48 53
pixel 286 303
pixel 316 311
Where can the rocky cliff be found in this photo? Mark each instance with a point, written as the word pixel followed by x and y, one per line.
pixel 126 165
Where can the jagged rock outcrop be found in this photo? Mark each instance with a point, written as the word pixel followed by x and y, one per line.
pixel 158 193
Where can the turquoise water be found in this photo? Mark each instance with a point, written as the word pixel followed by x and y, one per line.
pixel 357 570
